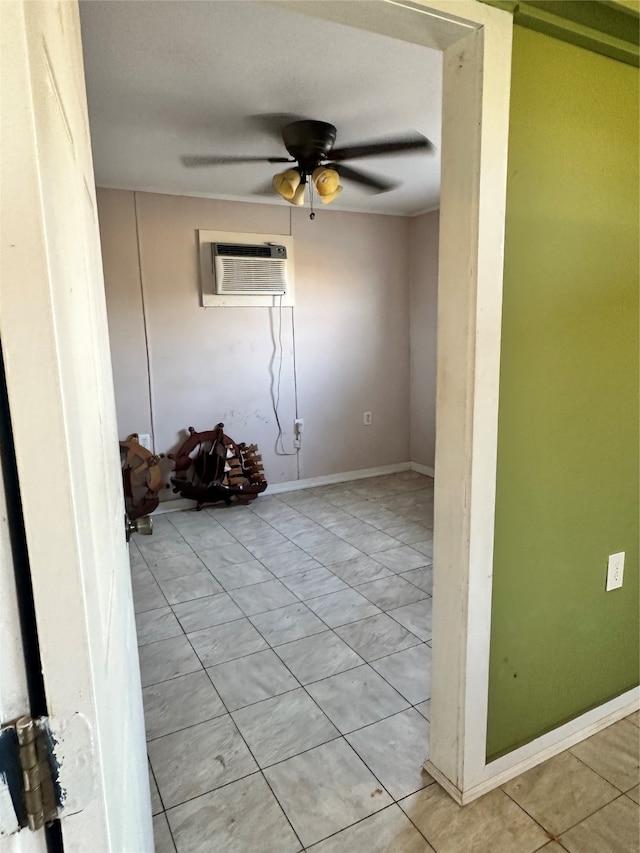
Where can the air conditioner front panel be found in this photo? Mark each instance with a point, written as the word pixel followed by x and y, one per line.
pixel 246 269
pixel 251 275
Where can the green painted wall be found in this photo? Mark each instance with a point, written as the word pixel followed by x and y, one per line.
pixel 568 446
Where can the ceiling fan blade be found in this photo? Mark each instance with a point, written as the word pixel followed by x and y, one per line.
pixel 221 161
pixel 272 123
pixel 265 189
pixel 372 182
pixel 406 144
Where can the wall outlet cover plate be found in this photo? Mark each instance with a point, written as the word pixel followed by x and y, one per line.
pixel 615 571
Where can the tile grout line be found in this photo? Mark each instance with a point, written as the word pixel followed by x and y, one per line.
pixel 273 648
pixel 352 586
pixel 270 647
pixel 259 769
pixel 410 706
pixel 365 662
pixel 588 766
pixel 319 524
pixel 338 737
pixel 573 826
pixel 237 541
pixel 414 824
pixel 304 603
pixel 362 819
pixel 164 811
pixel 365 617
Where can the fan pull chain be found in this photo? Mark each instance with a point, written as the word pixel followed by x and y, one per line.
pixel 312 215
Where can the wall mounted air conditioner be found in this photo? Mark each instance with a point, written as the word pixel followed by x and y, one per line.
pixel 243 269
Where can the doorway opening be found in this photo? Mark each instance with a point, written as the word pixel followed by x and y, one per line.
pixel 172 540
pixel 92 590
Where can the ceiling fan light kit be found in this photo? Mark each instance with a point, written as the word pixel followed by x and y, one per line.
pixel 327 199
pixel 311 147
pixel 298 196
pixel 286 183
pixel 290 185
pixel 327 183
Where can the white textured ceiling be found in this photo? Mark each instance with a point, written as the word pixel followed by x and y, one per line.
pixel 171 78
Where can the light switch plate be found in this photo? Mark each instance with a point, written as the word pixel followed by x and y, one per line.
pixel 615 571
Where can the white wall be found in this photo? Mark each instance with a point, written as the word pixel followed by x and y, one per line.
pixel 423 287
pixel 124 309
pixel 352 332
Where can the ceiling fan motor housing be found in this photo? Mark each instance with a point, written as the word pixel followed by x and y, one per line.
pixel 309 142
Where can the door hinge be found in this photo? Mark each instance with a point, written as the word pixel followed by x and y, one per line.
pixel 35 754
pixel 26 774
pixel 36 785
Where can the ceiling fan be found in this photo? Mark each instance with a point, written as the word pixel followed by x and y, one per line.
pixel 317 163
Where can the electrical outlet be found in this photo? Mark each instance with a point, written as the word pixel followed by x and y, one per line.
pixel 367 418
pixel 298 429
pixel 144 439
pixel 615 571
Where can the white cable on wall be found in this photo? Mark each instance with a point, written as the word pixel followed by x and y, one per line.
pixel 276 379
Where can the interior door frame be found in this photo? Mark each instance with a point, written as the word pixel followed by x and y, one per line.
pixel 55 345
pixel 21 684
pixel 476 42
pixel 477 82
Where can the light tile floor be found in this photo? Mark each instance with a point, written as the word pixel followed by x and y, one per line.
pixel 285 656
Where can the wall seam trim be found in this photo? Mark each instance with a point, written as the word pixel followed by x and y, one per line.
pixel 144 323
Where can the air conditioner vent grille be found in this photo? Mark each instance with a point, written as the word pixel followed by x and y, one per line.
pixel 246 276
pixel 240 251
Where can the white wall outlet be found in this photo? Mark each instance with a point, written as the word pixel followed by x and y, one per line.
pixel 367 419
pixel 615 571
pixel 144 439
pixel 298 429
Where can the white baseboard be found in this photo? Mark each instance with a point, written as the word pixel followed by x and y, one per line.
pixel 454 792
pixel 310 482
pixel 515 763
pixel 422 469
pixel 343 477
